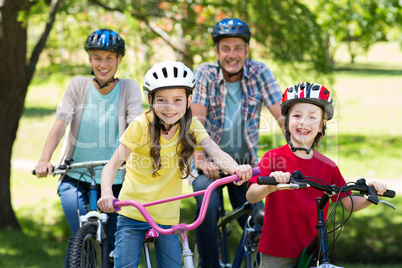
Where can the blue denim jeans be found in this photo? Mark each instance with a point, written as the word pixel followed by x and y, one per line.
pixel 207 233
pixel 129 237
pixel 73 195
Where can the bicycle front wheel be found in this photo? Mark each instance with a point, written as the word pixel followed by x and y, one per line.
pixel 85 250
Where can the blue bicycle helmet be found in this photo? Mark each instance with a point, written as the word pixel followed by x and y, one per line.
pixel 231 28
pixel 105 39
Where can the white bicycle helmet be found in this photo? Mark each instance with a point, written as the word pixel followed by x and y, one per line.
pixel 168 74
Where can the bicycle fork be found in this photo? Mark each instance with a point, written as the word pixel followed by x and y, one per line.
pixel 181 230
pixel 322 228
pixel 187 254
pixel 96 218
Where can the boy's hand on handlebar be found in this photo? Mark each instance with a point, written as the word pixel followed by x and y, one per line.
pixel 280 177
pixel 43 169
pixel 244 172
pixel 378 186
pixel 105 203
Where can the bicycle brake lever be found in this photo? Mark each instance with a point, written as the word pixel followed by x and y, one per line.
pixel 297 184
pixel 372 195
pixel 387 204
pixel 292 186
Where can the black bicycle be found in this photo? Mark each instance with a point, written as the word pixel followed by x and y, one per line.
pixel 317 253
pixel 247 247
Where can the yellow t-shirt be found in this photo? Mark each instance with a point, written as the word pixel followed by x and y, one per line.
pixel 139 184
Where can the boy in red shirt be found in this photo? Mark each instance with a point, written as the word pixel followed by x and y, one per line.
pixel 290 216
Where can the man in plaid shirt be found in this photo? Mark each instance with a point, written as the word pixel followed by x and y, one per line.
pixel 227 99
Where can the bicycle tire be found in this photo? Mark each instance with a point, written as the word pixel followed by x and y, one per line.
pixel 85 250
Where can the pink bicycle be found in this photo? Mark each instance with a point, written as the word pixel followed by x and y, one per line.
pixel 182 228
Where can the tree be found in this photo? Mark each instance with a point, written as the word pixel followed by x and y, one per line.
pixel 359 23
pixel 16 72
pixel 286 30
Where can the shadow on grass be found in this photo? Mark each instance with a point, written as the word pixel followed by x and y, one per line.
pixel 21 250
pixel 370 146
pixel 369 69
pixel 38 111
pixel 348 144
pixel 371 236
pixel 46 221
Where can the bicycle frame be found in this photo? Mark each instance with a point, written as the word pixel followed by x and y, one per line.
pixel 93 217
pixel 243 247
pixel 181 228
pixel 320 241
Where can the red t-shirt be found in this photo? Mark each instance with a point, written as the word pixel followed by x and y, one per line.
pixel 291 215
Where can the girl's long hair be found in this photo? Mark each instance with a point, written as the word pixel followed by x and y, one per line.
pixel 185 147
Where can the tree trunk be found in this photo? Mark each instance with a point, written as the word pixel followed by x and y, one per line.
pixel 15 75
pixel 13 90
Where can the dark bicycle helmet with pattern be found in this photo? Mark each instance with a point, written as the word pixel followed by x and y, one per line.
pixel 306 92
pixel 105 39
pixel 231 28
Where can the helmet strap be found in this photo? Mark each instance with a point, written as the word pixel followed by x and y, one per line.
pixel 106 84
pixel 159 123
pixel 230 74
pixel 294 149
pixel 163 127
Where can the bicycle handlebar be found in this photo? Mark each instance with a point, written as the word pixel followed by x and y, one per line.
pixel 181 227
pixel 61 169
pixel 298 181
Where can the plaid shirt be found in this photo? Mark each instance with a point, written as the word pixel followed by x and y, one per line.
pixel 258 84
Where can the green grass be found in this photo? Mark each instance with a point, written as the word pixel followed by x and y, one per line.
pixel 363 139
pixel 21 250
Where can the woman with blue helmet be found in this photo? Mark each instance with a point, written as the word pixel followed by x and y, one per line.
pixel 105 40
pixel 97 111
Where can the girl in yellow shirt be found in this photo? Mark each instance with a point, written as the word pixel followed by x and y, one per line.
pixel 158 147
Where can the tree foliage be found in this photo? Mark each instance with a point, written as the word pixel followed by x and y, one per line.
pixel 359 23
pixel 286 30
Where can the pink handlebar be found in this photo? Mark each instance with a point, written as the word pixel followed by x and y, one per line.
pixel 181 227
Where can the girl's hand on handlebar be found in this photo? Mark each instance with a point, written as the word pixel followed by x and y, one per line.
pixel 105 203
pixel 43 169
pixel 378 186
pixel 244 172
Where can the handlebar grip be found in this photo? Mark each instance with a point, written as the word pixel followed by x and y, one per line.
pixel 266 180
pixel 255 171
pixel 114 206
pixel 389 193
pixel 34 171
